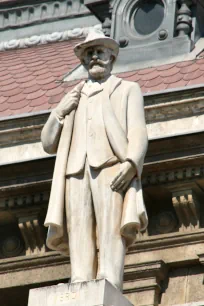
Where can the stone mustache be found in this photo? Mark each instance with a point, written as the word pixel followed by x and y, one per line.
pixel 99 133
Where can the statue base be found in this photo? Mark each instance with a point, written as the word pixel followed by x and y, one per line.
pixel 92 293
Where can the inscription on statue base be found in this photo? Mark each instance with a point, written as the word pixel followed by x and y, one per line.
pixel 96 292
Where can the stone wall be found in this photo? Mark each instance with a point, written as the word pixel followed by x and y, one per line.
pixel 165 266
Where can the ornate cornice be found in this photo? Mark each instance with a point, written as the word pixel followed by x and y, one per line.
pixel 45 39
pixel 25 14
pixel 24 200
pixel 166 177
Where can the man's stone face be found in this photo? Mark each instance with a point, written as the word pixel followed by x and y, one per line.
pixel 98 62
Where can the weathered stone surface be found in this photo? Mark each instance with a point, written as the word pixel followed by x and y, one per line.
pixel 175 288
pixel 185 285
pixel 96 183
pixel 142 282
pixel 195 287
pixel 191 304
pixel 96 292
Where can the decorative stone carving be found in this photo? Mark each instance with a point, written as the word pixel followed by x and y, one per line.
pixel 24 15
pixel 46 38
pixel 24 200
pixel 148 26
pixel 172 176
pixel 187 207
pixel 163 34
pixel 163 223
pixel 32 232
pixel 184 20
pixel 11 246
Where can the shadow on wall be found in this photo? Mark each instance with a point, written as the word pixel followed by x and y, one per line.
pixel 18 296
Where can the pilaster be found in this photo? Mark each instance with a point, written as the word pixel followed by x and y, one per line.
pixel 142 282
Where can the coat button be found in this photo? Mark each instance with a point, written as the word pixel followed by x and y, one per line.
pixel 91 133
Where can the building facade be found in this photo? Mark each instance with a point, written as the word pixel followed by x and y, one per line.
pixel 161 48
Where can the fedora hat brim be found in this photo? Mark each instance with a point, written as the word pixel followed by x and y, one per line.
pixel 106 42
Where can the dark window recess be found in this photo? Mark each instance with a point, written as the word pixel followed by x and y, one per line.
pixel 148 17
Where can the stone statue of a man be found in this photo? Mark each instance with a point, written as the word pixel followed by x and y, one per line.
pixel 99 134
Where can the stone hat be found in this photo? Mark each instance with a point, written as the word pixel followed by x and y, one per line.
pixel 95 38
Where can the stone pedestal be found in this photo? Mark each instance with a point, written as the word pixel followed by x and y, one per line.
pixel 96 292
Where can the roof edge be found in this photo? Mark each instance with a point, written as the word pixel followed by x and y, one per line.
pixel 167 92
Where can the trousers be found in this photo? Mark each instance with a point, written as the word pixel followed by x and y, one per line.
pixel 94 214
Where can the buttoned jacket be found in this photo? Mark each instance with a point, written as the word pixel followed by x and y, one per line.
pixel 89 137
pixel 124 124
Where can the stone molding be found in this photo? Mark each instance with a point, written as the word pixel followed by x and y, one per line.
pixel 147 275
pixel 142 282
pixel 46 11
pixel 22 128
pixel 201 303
pixel 166 177
pixel 146 269
pixel 31 125
pixel 19 270
pixel 149 180
pixel 24 200
pixel 169 110
pixel 13 264
pixel 19 134
pixel 168 241
pixel 45 38
pixel 57 267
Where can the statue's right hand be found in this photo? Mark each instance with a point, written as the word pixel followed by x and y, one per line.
pixel 69 101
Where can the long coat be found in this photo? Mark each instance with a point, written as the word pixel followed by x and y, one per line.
pixel 123 115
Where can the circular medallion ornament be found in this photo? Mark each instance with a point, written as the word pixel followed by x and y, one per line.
pixel 11 246
pixel 165 223
pixel 163 34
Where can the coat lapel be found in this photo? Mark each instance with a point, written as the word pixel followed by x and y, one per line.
pixel 115 133
pixel 134 214
pixel 112 83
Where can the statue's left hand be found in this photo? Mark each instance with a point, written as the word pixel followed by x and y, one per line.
pixel 124 177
